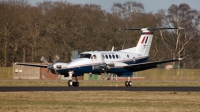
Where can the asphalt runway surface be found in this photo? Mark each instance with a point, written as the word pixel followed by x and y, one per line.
pixel 25 89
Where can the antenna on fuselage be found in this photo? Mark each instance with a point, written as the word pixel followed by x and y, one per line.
pixel 113 48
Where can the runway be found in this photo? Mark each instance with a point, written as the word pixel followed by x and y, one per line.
pixel 25 89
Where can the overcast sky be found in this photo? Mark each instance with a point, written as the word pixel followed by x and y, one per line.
pixel 149 5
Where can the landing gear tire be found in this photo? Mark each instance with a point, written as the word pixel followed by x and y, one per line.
pixel 70 83
pixel 128 83
pixel 76 84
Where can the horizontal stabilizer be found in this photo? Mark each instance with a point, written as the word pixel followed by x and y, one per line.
pixel 153 28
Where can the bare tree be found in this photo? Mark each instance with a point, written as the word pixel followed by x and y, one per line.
pixel 28 32
pixel 127 9
pixel 176 41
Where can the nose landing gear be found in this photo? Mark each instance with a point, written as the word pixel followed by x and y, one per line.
pixel 70 82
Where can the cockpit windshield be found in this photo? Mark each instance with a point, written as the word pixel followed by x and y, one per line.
pixel 84 56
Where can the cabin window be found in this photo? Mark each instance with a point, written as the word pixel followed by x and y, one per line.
pixel 113 56
pixel 117 56
pixel 110 56
pixel 106 56
pixel 84 55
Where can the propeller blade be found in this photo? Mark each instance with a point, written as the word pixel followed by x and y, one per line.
pixel 58 75
pixel 46 73
pixel 106 76
pixel 56 58
pixel 44 60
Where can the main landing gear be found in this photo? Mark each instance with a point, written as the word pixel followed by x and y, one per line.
pixel 70 82
pixel 128 83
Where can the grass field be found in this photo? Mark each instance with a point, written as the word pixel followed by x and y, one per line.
pixel 99 101
pixel 105 101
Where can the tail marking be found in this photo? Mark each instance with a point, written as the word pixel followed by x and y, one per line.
pixel 143 40
pixel 146 40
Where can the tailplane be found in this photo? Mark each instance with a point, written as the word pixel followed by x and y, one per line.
pixel 144 43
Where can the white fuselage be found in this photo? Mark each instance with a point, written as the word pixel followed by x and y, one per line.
pixel 91 62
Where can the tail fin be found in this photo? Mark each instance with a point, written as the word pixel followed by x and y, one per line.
pixel 144 43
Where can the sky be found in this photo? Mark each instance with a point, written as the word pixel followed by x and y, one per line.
pixel 149 5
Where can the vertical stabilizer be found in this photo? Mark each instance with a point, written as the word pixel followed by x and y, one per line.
pixel 144 43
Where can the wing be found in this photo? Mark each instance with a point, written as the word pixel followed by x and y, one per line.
pixel 29 64
pixel 148 65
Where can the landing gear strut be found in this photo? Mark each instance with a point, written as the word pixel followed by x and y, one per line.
pixel 128 83
pixel 70 82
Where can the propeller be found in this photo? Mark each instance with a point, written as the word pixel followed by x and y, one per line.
pixel 107 75
pixel 50 66
pixel 58 75
pixel 45 74
pixel 105 67
pixel 44 60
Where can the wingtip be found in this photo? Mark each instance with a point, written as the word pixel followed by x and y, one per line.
pixel 180 59
pixel 16 63
pixel 180 28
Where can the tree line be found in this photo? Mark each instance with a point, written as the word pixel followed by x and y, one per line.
pixel 50 28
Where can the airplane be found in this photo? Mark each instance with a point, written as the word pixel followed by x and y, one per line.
pixel 122 63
